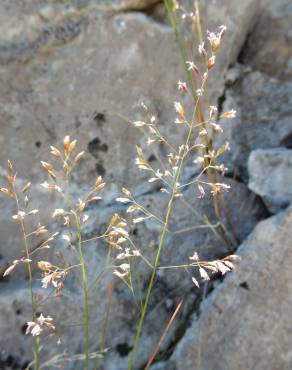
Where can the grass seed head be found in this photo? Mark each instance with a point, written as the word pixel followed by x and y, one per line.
pixel 7 192
pixel 44 265
pixel 55 152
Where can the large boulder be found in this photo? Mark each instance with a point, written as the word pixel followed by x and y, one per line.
pixel 245 323
pixel 270 173
pixel 263 119
pixel 267 48
pixel 68 68
pixel 72 69
pixel 87 84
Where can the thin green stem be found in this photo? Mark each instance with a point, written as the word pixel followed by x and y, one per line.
pixel 161 244
pixel 150 286
pixel 141 255
pixel 183 51
pixel 179 38
pixel 36 349
pixel 145 211
pixel 105 325
pixel 211 174
pixel 85 291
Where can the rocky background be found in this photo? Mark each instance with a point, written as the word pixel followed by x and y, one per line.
pixel 83 67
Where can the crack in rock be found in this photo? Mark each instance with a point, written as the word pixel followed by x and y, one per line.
pixel 50 36
pixel 132 5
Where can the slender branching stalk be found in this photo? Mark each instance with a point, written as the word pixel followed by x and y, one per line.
pixel 14 194
pixel 170 7
pixel 163 233
pixel 74 217
pixel 85 291
pixel 105 324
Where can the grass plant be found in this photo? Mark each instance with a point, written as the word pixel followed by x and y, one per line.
pixel 198 147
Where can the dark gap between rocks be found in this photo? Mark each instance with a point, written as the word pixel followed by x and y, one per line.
pixel 154 11
pixel 241 58
pixel 220 102
pixel 287 141
pixel 123 349
pixel 147 8
pixel 12 363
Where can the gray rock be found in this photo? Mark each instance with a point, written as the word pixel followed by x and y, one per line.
pixel 15 305
pixel 165 365
pixel 270 176
pixel 263 119
pixel 72 69
pixel 246 322
pixel 94 113
pixel 268 47
pixel 58 77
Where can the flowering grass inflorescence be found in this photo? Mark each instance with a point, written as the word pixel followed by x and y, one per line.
pixel 198 148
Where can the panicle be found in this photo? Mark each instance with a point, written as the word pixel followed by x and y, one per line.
pixel 99 184
pixel 44 265
pixel 192 67
pixel 7 192
pixel 182 86
pixel 229 114
pixel 179 108
pixel 215 38
pixel 55 152
pixel 66 143
pixel 35 328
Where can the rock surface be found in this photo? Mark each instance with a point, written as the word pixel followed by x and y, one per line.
pixel 263 119
pixel 72 69
pixel 268 48
pixel 270 173
pixel 246 322
pixel 15 310
pixel 87 93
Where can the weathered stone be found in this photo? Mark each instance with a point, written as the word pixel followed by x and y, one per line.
pixel 268 47
pixel 245 323
pixel 92 114
pixel 66 310
pixel 58 77
pixel 270 173
pixel 263 119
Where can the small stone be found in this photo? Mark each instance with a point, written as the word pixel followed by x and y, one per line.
pixel 270 176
